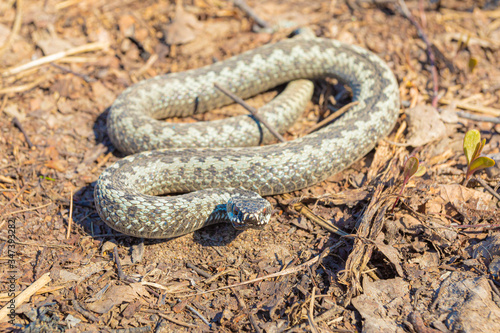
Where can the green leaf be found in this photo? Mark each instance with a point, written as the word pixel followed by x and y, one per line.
pixel 482 162
pixel 47 178
pixel 472 64
pixel 472 144
pixel 420 172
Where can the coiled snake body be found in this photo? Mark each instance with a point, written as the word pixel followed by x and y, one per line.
pixel 126 194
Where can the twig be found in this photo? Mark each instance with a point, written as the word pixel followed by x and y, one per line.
pixel 27 209
pixel 84 312
pixel 15 27
pixel 7 180
pixel 119 269
pixel 85 77
pixel 333 116
pixel 193 310
pixel 487 188
pixel 251 316
pixel 14 198
pixel 252 110
pixel 430 53
pixel 199 271
pixel 310 314
pixel 495 289
pixel 4 103
pixel 56 56
pixel 17 123
pixel 25 294
pixel 242 5
pixel 102 162
pixel 175 321
pixel 462 114
pixel 302 209
pixel 418 324
pixel 147 65
pixel 466 226
pixel 5 296
pixel 472 107
pixel 70 219
pixel 216 276
pixel 322 317
pixel 23 87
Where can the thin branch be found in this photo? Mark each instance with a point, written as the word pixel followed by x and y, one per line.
pixel 472 107
pixel 250 109
pixel 494 120
pixel 487 187
pixel 333 116
pixel 23 87
pixel 304 210
pixel 466 226
pixel 25 294
pixel 310 314
pixel 242 5
pixel 17 123
pixel 193 310
pixel 14 198
pixel 85 77
pixel 28 209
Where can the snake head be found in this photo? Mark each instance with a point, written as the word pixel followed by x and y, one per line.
pixel 248 212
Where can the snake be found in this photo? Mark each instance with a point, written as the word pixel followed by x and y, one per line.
pixel 179 178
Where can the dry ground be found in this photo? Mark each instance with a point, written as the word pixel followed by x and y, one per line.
pixel 431 265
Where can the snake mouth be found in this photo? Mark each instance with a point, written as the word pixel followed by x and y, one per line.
pixel 248 213
pixel 244 221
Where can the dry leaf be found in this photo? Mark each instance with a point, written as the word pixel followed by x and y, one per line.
pixel 13 111
pixel 114 295
pixel 471 204
pixel 53 45
pixel 457 194
pixel 424 125
pixel 381 302
pixel 58 165
pixel 182 28
pixel 392 254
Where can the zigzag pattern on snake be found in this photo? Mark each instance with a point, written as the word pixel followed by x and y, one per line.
pixel 126 194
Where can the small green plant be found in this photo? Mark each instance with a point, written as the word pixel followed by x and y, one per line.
pixel 410 168
pixel 472 149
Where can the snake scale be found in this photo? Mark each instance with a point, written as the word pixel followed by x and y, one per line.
pixel 220 183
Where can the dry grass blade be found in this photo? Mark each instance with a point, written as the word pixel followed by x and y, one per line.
pixel 23 87
pixel 310 313
pixel 56 56
pixel 70 217
pixel 15 27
